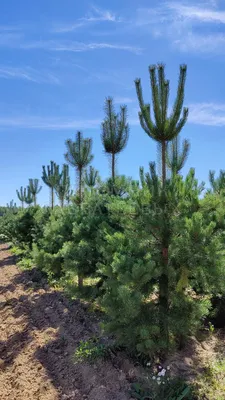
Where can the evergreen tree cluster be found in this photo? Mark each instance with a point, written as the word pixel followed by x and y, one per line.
pixel 153 249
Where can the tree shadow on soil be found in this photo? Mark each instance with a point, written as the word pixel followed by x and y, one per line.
pixel 5 262
pixel 59 324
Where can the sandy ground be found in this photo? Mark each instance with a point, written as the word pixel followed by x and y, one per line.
pixel 39 332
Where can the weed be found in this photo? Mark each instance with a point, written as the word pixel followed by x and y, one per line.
pixel 90 350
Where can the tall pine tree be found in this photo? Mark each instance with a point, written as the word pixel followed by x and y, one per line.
pixel 115 132
pixel 21 194
pixel 163 128
pixel 34 189
pixel 79 156
pixel 63 186
pixel 51 178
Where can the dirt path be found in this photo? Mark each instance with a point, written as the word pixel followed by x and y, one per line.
pixel 39 332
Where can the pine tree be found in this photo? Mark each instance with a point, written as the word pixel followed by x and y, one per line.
pixel 90 177
pixel 11 205
pixel 21 195
pixel 34 189
pixel 29 199
pixel 79 156
pixel 176 157
pixel 115 132
pixel 63 186
pixel 163 128
pixel 217 184
pixel 51 178
pixel 69 196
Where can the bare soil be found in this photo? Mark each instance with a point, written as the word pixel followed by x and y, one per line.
pixel 39 332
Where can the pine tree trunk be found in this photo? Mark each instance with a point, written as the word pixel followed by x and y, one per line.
pixel 113 167
pixel 163 280
pixel 164 299
pixel 35 201
pixel 80 282
pixel 22 204
pixel 80 278
pixel 52 198
pixel 80 186
pixel 163 163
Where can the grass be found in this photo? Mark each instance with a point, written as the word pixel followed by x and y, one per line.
pixel 211 384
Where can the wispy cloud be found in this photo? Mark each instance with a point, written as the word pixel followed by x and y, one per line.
pixel 45 123
pixel 207 114
pixel 72 46
pixel 211 114
pixel 96 14
pixel 213 43
pixel 52 123
pixel 28 74
pixel 123 100
pixel 9 28
pixel 179 23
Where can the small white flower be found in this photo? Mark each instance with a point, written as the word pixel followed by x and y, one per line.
pixel 160 367
pixel 163 372
pixel 168 368
pixel 158 379
pixel 148 364
pixel 163 383
pixel 154 378
pixel 159 383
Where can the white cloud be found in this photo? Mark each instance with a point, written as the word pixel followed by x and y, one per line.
pixel 195 13
pixel 95 15
pixel 210 114
pixel 28 74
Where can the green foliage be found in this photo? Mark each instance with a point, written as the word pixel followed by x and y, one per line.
pixel 47 252
pixel 217 184
pixel 81 253
pixel 164 127
pixel 176 157
pixel 132 261
pixel 91 177
pixel 90 351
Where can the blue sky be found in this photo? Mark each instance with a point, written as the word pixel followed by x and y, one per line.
pixel 60 59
